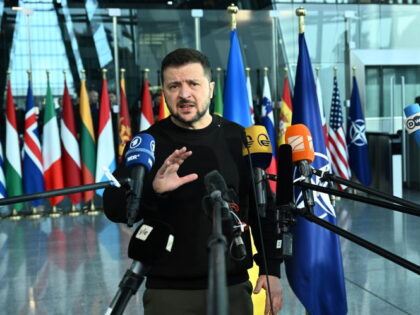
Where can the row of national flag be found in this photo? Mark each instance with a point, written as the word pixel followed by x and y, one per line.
pixel 67 155
pixel 315 272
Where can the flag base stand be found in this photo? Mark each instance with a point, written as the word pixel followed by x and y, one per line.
pixel 74 212
pixel 92 210
pixel 15 215
pixel 35 214
pixel 55 213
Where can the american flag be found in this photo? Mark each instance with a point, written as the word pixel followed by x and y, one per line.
pixel 337 139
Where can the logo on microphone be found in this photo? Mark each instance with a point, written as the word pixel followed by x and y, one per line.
pixel 249 141
pixel 152 146
pixel 263 140
pixel 135 142
pixel 357 133
pixel 144 232
pixel 413 123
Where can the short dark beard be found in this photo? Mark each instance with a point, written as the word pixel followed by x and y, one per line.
pixel 189 123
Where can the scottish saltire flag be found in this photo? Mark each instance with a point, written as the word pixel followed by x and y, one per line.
pixel 356 139
pixel 124 123
pixel 71 153
pixel 2 178
pixel 337 139
pixel 315 272
pixel 33 169
pixel 13 165
pixel 146 116
pixel 218 94
pixel 249 89
pixel 285 117
pixel 105 157
pixel 267 120
pixel 87 142
pixel 235 98
pixel 51 149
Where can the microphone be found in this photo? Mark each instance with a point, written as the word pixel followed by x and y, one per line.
pixel 412 123
pixel 284 202
pixel 300 139
pixel 257 149
pixel 139 158
pixel 150 244
pixel 217 189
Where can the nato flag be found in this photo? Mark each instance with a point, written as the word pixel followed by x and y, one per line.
pixel 356 139
pixel 315 272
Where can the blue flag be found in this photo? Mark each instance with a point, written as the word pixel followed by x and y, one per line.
pixel 357 144
pixel 315 272
pixel 33 170
pixel 235 98
pixel 2 177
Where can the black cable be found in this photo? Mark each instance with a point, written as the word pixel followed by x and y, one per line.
pixel 264 257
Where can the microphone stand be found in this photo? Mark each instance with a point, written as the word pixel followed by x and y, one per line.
pixel 129 284
pixel 324 176
pixel 307 213
pixel 217 303
pixel 372 201
pixel 55 192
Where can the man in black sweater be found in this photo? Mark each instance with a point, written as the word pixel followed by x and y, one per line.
pixel 189 144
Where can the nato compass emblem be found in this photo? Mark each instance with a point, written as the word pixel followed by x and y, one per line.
pixel 357 133
pixel 323 207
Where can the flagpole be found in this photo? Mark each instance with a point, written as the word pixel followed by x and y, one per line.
pixel 15 214
pixel 232 10
pixel 301 13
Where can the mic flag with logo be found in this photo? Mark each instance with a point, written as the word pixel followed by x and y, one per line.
pixel 357 144
pixel 315 272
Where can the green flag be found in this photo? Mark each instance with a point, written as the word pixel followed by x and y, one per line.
pixel 218 95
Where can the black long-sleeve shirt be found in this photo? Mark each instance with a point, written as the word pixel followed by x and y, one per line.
pixel 216 147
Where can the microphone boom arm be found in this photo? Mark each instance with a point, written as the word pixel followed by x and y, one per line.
pixel 347 195
pixel 360 241
pixel 324 176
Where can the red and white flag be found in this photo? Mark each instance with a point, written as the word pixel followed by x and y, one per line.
pixel 337 138
pixel 71 152
pixel 146 116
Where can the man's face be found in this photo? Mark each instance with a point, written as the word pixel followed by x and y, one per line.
pixel 188 93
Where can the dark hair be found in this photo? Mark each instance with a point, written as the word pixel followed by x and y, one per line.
pixel 184 56
pixel 417 100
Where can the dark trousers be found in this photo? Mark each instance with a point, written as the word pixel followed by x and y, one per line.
pixel 194 302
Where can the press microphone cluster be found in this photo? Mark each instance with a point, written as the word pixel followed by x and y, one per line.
pixel 220 196
pixel 150 244
pixel 299 138
pixel 139 158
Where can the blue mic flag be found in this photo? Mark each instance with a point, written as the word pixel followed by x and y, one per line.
pixel 315 272
pixel 235 97
pixel 357 144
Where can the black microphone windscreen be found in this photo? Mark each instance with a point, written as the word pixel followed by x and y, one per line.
pixel 284 175
pixel 151 242
pixel 215 181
